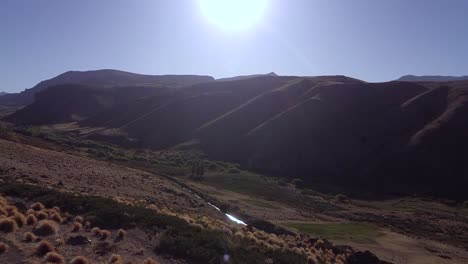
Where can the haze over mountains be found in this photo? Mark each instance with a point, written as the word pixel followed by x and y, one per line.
pixel 393 137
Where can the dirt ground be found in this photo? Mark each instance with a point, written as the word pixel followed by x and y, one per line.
pixel 67 172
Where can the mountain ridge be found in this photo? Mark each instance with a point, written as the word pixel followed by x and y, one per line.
pixel 104 77
pixel 431 78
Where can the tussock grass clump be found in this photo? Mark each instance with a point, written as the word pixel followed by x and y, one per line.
pixel 12 210
pixel 79 219
pixel 59 242
pixel 42 215
pixel 53 257
pixel 31 219
pixel 45 228
pixel 96 231
pixel 79 260
pixel 121 234
pixel 3 247
pixel 43 248
pixel 29 237
pixel 56 209
pixel 56 217
pixel 150 261
pixel 20 219
pixel 105 234
pixel 115 259
pixel 8 225
pixel 31 211
pixel 37 206
pixel 3 212
pixel 76 227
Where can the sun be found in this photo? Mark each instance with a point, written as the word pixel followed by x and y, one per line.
pixel 233 14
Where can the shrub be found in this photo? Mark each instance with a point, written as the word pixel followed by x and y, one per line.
pixel 29 237
pixel 96 231
pixel 37 206
pixel 31 219
pixel 8 225
pixel 42 215
pixel 3 247
pixel 59 242
pixel 79 260
pixel 11 210
pixel 150 261
pixel 56 217
pixel 105 234
pixel 45 228
pixel 115 259
pixel 19 219
pixel 43 248
pixel 77 227
pixel 53 257
pixel 31 211
pixel 3 212
pixel 121 234
pixel 79 219
pixel 104 247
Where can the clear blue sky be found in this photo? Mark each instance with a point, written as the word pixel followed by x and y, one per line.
pixel 375 40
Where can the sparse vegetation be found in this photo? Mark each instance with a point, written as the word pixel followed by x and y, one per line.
pixel 43 248
pixel 31 219
pixel 115 259
pixel 37 206
pixel 360 233
pixel 54 257
pixel 77 227
pixel 3 247
pixel 8 225
pixel 19 219
pixel 79 260
pixel 121 234
pixel 45 228
pixel 105 234
pixel 29 237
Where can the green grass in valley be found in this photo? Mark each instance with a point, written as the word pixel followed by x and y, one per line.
pixel 359 233
pixel 261 203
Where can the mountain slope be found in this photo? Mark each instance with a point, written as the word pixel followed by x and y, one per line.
pixel 431 78
pixel 102 78
pixel 74 102
pixel 394 137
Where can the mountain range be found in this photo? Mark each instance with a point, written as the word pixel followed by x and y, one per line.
pixel 102 78
pixel 359 137
pixel 431 78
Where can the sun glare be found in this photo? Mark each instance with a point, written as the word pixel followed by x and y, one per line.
pixel 233 14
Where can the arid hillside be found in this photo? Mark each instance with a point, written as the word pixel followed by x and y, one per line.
pixel 334 132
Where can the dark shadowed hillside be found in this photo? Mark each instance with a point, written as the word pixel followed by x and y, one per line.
pixel 3 93
pixel 73 102
pixel 102 78
pixel 394 137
